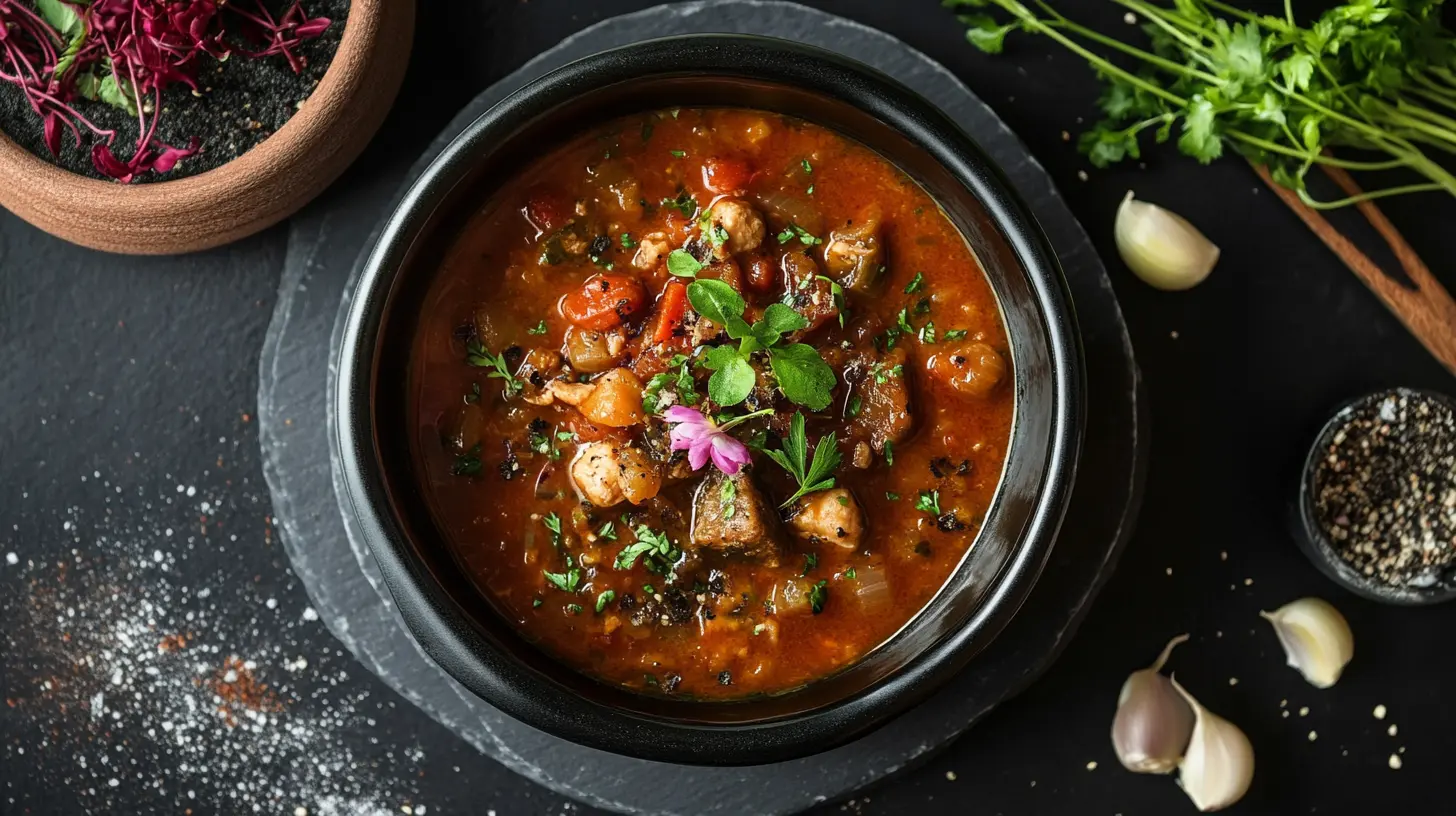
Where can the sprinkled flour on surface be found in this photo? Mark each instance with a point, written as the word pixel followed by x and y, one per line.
pixel 125 681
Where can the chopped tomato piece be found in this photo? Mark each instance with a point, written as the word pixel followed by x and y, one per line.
pixel 546 210
pixel 723 175
pixel 604 301
pixel 760 273
pixel 670 310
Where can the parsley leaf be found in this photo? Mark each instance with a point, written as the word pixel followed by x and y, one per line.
pixel 539 328
pixel 553 523
pixel 810 562
pixel 916 283
pixel 655 546
pixel 564 581
pixel 605 598
pixel 728 498
pixel 627 242
pixel 818 596
pixel 684 203
pixel 477 355
pixel 811 474
pixel 929 502
pixel 608 532
pixel 468 463
pixel 954 334
pixel 805 237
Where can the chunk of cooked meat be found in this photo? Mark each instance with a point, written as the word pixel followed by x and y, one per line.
pixel 535 371
pixel 607 472
pixel 807 292
pixel 653 247
pixel 854 254
pixel 737 519
pixel 881 383
pixel 742 224
pixel 832 516
pixel 571 393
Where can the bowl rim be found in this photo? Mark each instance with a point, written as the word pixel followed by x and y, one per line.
pixel 445 634
pixel 250 192
pixel 1317 546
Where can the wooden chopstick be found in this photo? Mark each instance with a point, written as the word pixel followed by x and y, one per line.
pixel 1426 310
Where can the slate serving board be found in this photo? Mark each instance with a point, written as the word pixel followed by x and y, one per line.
pixel 345 585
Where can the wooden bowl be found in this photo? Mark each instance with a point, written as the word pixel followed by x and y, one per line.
pixel 250 193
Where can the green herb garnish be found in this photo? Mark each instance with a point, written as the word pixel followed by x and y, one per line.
pixel 890 454
pixel 649 543
pixel 678 154
pixel 810 562
pixel 564 581
pixel 553 523
pixel 954 334
pixel 818 595
pixel 850 574
pixel 1368 75
pixel 793 231
pixel 468 463
pixel 682 264
pixel 728 498
pixel 480 357
pixel 608 532
pixel 916 283
pixel 929 502
pixel 811 475
pixel 684 203
pixel 539 328
pixel 802 374
pixel 605 598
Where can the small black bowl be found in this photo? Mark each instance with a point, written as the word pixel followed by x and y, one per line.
pixel 1321 551
pixel 459 628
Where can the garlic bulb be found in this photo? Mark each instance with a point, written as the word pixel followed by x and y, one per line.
pixel 1219 765
pixel 1153 723
pixel 1162 248
pixel 1316 639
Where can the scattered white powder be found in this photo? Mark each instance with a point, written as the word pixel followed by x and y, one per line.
pixel 135 689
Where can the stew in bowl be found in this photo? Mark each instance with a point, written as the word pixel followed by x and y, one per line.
pixel 708 400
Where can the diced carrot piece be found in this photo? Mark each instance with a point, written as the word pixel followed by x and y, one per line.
pixel 670 310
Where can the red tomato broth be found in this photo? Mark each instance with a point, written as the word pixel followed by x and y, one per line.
pixel 493 289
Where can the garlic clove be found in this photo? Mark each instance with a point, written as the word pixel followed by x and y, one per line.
pixel 1316 638
pixel 1218 767
pixel 1161 247
pixel 1153 723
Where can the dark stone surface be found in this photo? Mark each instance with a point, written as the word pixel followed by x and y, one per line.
pixel 135 368
pixel 337 569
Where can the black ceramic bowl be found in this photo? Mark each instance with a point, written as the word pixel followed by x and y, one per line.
pixel 1311 538
pixel 459 628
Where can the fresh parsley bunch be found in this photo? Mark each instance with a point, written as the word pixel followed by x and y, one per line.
pixel 1376 76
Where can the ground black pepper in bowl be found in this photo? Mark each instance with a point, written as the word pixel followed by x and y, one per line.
pixel 239 103
pixel 1382 491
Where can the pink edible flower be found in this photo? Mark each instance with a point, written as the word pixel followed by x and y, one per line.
pixel 703 439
